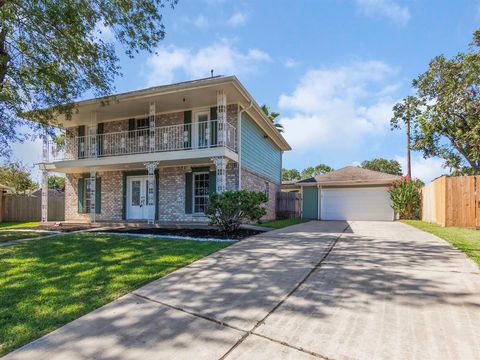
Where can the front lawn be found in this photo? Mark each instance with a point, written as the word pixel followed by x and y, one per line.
pixel 466 240
pixel 18 225
pixel 6 236
pixel 278 224
pixel 45 284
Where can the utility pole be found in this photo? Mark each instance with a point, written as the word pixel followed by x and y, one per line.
pixel 409 163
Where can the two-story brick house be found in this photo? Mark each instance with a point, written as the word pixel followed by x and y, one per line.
pixel 156 154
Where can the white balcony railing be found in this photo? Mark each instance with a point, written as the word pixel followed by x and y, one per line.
pixel 163 138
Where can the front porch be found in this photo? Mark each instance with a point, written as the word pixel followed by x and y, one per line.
pixel 159 196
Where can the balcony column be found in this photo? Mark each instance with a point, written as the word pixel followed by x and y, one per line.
pixel 93 134
pixel 45 159
pixel 151 119
pixel 221 118
pixel 93 183
pixel 152 196
pixel 221 171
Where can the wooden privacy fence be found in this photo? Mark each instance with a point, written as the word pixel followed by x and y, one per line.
pixel 288 205
pixel 452 201
pixel 29 208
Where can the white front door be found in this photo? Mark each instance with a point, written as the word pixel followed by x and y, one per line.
pixel 137 198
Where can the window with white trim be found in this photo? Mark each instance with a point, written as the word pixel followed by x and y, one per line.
pixel 201 191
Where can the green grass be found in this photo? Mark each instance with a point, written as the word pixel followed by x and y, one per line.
pixel 18 225
pixel 466 240
pixel 45 284
pixel 6 236
pixel 278 224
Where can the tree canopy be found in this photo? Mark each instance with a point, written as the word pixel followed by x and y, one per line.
pixel 383 165
pixel 17 176
pixel 448 125
pixel 313 171
pixel 290 174
pixel 273 117
pixel 52 52
pixel 56 182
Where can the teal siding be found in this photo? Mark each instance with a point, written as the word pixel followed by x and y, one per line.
pixel 260 155
pixel 310 202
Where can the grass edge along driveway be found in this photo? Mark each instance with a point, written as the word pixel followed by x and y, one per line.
pixel 465 240
pixel 46 284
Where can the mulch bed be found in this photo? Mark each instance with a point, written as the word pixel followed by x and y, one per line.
pixel 195 233
pixel 64 227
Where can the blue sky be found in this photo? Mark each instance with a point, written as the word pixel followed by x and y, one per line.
pixel 332 68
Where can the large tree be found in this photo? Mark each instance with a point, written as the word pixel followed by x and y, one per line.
pixel 290 174
pixel 383 165
pixel 17 176
pixel 449 124
pixel 273 117
pixel 313 171
pixel 53 51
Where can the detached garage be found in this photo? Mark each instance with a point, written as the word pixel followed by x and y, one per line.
pixel 350 193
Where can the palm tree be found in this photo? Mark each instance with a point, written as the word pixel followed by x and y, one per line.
pixel 272 116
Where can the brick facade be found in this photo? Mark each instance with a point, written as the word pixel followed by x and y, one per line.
pixel 253 182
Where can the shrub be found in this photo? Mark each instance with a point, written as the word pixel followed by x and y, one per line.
pixel 230 209
pixel 406 197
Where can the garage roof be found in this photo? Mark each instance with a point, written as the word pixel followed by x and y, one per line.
pixel 351 175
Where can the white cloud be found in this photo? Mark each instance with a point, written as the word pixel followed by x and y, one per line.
pixel 201 22
pixel 338 107
pixel 170 62
pixel 423 169
pixel 291 63
pixel 237 19
pixel 389 9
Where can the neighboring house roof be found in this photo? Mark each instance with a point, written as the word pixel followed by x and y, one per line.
pixel 351 175
pixel 51 192
pixel 6 188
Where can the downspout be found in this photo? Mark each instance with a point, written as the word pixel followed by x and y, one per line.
pixel 239 126
pixel 318 201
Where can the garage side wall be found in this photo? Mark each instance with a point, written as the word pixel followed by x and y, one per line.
pixel 310 202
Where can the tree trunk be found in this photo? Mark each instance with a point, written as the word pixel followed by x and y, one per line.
pixel 4 57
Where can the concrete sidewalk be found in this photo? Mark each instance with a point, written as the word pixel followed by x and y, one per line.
pixel 385 290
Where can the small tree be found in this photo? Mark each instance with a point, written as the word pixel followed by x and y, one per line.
pixel 56 182
pixel 230 209
pixel 273 117
pixel 17 176
pixel 406 197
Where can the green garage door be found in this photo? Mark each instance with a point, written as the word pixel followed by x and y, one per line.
pixel 310 202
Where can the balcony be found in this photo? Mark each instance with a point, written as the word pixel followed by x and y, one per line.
pixel 202 135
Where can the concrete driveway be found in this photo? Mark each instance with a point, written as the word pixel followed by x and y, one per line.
pixel 362 290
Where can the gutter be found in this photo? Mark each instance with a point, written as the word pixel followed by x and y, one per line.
pixel 239 127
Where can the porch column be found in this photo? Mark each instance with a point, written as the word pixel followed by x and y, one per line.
pixel 222 118
pixel 93 134
pixel 151 119
pixel 45 159
pixel 152 196
pixel 93 173
pixel 221 171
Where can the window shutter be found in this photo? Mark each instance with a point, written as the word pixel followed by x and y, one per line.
pixel 98 195
pixel 212 182
pixel 100 139
pixel 81 141
pixel 80 194
pixel 131 127
pixel 187 119
pixel 124 198
pixel 213 126
pixel 188 192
